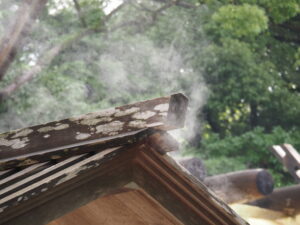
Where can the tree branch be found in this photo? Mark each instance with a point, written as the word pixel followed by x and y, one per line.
pixel 178 3
pixel 79 13
pixel 44 61
pixel 49 55
pixel 13 39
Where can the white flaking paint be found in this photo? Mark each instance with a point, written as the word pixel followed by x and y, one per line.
pixel 137 124
pixel 162 107
pixel 82 136
pixel 70 170
pixel 22 133
pixel 113 133
pixel 94 121
pixel 75 171
pixel 69 176
pixel 126 112
pixel 110 127
pixel 103 113
pixel 143 115
pixel 50 128
pixel 14 143
pixel 46 136
pixel 154 124
pixel 20 143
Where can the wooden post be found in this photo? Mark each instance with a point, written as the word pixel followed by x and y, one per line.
pixel 286 200
pixel 241 186
pixel 290 159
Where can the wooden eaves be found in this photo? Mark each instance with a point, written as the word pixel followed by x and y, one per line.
pixel 71 162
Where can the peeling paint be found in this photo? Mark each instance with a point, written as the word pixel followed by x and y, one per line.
pixel 126 112
pixel 46 136
pixel 162 107
pixel 154 124
pixel 143 115
pixel 82 136
pixel 103 113
pixel 110 127
pixel 22 133
pixel 50 128
pixel 68 176
pixel 27 162
pixel 137 124
pixel 95 121
pixel 14 143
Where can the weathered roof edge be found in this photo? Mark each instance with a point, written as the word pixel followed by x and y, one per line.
pixel 110 128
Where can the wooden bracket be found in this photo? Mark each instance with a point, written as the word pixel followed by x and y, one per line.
pixel 290 159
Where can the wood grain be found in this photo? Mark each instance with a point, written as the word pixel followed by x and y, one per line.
pixel 127 208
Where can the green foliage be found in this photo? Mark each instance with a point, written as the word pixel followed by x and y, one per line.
pixel 280 11
pixel 239 21
pixel 249 150
pixel 92 12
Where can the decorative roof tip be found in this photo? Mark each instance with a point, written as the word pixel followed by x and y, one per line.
pixel 90 132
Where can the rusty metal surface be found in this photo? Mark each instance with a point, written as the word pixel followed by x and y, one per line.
pixel 112 127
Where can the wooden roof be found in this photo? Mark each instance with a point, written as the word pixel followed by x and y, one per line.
pixel 52 169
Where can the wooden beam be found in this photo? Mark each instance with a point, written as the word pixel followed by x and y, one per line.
pixel 285 200
pixel 138 166
pixel 290 159
pixel 34 185
pixel 195 166
pixel 94 181
pixel 90 132
pixel 241 186
pixel 163 142
pixel 183 195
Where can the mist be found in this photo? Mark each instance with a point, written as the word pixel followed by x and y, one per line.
pixel 106 70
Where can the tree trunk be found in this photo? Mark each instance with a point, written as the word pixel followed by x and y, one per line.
pixel 12 41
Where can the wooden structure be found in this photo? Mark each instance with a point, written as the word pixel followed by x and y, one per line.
pixel 290 159
pixel 285 200
pixel 241 186
pixel 109 166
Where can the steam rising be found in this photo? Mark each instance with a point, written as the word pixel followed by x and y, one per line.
pixel 125 70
